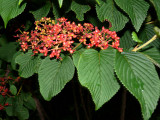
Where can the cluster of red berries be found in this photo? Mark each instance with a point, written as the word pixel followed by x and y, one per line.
pixel 3 106
pixel 52 37
pixel 4 91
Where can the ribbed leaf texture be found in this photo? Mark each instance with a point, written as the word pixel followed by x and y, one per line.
pixel 139 76
pixel 53 76
pixel 147 33
pixel 10 9
pixel 42 11
pixel 156 4
pixel 56 10
pixel 154 55
pixel 136 9
pixel 79 10
pixel 27 64
pixel 95 72
pixel 108 11
pixel 126 41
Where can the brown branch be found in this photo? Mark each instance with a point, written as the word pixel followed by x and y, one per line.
pixel 123 106
pixel 41 111
pixel 82 101
pixel 75 100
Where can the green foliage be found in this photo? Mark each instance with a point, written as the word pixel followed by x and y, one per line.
pixel 10 9
pixel 42 11
pixel 95 71
pixel 156 4
pixel 147 33
pixel 60 3
pixel 157 31
pixel 13 89
pixel 139 76
pixel 7 51
pixel 136 9
pixel 135 38
pixel 28 64
pixel 154 55
pixel 79 10
pixel 100 71
pixel 126 41
pixel 16 107
pixel 108 11
pixel 53 76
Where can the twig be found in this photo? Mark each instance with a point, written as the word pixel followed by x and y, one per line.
pixel 75 100
pixel 41 111
pixel 83 104
pixel 123 107
pixel 19 89
pixel 145 44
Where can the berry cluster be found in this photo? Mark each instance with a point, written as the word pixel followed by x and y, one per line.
pixel 4 91
pixel 52 37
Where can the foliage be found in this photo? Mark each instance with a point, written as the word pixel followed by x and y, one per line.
pixel 91 39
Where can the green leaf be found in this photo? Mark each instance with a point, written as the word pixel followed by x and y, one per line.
pixel 136 9
pixel 157 31
pixel 7 51
pixel 147 33
pixel 156 4
pixel 53 76
pixel 98 2
pixel 13 63
pixel 154 55
pixel 10 9
pixel 76 56
pixel 56 11
pixel 139 76
pixel 30 104
pixel 42 11
pixel 108 11
pixel 13 89
pixel 15 105
pixel 19 2
pixel 135 38
pixel 79 10
pixel 126 41
pixel 22 113
pixel 60 3
pixel 95 71
pixel 27 64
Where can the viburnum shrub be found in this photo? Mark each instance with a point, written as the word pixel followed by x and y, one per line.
pixel 52 37
pixel 5 90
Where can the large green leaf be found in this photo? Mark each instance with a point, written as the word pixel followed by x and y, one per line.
pixel 147 33
pixel 10 9
pixel 154 55
pixel 53 76
pixel 42 11
pixel 156 4
pixel 7 51
pixel 136 9
pixel 139 76
pixel 95 71
pixel 27 64
pixel 79 10
pixel 126 41
pixel 108 11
